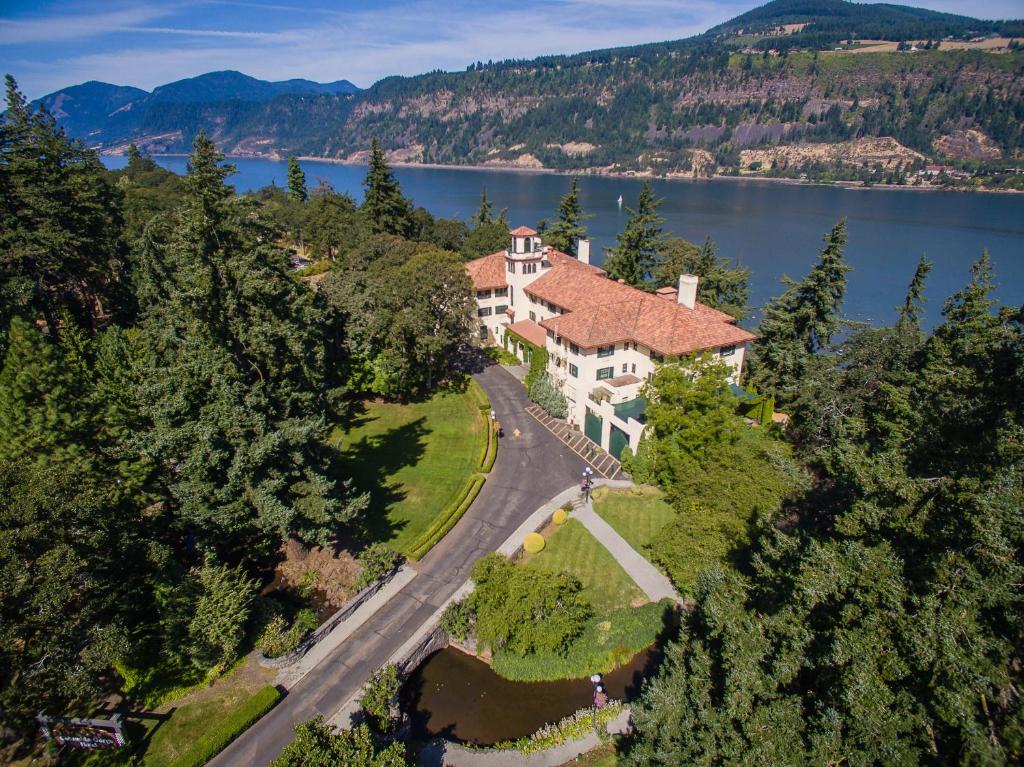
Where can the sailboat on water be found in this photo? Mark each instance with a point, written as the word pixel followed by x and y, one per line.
pixel 620 200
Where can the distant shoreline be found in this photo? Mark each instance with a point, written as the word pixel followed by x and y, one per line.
pixel 853 185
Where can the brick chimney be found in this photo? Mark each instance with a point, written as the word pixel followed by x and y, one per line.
pixel 688 289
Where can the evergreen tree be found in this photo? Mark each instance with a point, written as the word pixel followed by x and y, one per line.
pixel 73 586
pixel 909 541
pixel 296 180
pixel 60 223
pixel 485 213
pixel 910 312
pixel 801 321
pixel 485 239
pixel 569 228
pixel 44 414
pixel 722 286
pixel 386 210
pixel 236 384
pixel 640 244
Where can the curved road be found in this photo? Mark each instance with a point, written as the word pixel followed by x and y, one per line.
pixel 529 471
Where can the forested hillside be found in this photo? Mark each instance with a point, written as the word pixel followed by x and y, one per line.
pixel 823 77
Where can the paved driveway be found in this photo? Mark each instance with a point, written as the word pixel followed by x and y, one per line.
pixel 529 470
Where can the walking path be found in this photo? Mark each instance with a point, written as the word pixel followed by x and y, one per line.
pixel 529 470
pixel 647 576
pixel 605 464
pixel 447 753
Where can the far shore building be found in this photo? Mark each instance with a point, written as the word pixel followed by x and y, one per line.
pixel 603 338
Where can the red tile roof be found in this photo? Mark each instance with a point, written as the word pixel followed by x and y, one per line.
pixel 523 231
pixel 601 311
pixel 529 330
pixel 488 272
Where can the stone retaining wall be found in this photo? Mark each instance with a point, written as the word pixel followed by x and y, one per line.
pixel 327 626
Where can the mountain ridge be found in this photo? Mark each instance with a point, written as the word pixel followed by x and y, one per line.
pixel 770 78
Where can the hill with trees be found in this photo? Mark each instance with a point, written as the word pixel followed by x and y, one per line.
pixel 766 93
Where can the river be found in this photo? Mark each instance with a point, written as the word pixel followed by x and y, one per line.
pixel 774 229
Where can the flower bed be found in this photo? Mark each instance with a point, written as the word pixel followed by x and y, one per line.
pixel 573 727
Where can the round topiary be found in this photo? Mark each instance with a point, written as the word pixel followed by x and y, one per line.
pixel 533 542
pixel 559 517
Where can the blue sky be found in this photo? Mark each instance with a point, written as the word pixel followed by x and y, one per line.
pixel 48 45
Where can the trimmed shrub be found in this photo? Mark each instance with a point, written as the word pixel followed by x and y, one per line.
pixel 533 542
pixel 447 519
pixel 209 744
pixel 560 516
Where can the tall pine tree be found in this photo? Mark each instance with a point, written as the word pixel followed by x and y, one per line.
pixel 722 286
pixel 568 229
pixel 640 243
pixel 384 207
pixel 801 321
pixel 60 223
pixel 296 180
pixel 236 383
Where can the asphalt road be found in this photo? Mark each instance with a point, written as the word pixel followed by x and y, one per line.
pixel 530 469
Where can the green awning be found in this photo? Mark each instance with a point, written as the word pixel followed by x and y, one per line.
pixel 635 409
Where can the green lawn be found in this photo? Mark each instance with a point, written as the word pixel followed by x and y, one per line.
pixel 220 710
pixel 624 622
pixel 572 549
pixel 637 514
pixel 413 460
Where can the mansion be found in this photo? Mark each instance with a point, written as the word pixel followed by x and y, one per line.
pixel 603 338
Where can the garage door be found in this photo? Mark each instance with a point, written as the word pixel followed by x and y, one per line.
pixel 592 426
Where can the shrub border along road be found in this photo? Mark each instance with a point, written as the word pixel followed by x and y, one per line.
pixel 447 519
pixel 208 745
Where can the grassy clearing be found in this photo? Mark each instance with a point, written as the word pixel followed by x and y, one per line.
pixel 412 459
pixel 637 514
pixel 200 730
pixel 610 639
pixel 571 549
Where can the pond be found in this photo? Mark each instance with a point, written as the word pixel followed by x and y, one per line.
pixel 457 696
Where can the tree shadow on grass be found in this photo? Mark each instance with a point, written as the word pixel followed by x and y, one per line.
pixel 372 462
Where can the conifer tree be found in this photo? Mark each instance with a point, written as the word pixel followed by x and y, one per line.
pixel 801 321
pixel 569 228
pixel 722 286
pixel 485 213
pixel 296 180
pixel 235 386
pixel 640 243
pixel 44 416
pixel 910 312
pixel 60 223
pixel 386 210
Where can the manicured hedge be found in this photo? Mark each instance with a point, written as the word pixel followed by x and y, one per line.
pixel 492 454
pixel 489 449
pixel 209 744
pixel 479 396
pixel 447 519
